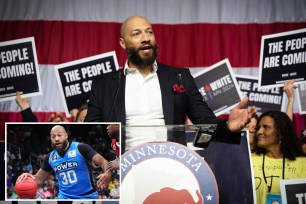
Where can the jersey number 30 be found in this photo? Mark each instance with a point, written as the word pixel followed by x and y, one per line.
pixel 68 177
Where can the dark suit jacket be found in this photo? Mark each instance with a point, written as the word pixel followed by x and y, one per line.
pixel 107 101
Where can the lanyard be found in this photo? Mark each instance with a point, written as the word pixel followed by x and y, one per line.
pixel 264 175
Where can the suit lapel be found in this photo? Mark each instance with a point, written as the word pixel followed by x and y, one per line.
pixel 119 106
pixel 166 84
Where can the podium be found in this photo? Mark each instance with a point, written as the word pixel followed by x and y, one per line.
pixel 184 164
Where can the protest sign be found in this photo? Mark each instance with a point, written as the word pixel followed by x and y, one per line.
pixel 19 69
pixel 75 77
pixel 293 190
pixel 219 87
pixel 282 58
pixel 262 99
pixel 301 98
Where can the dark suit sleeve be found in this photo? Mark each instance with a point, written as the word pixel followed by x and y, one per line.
pixel 200 113
pixel 28 115
pixel 224 135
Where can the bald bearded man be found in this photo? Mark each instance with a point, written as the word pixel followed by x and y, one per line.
pixel 145 92
pixel 70 163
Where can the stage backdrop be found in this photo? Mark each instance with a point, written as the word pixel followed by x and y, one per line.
pixel 193 34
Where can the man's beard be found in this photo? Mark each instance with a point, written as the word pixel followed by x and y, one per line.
pixel 62 149
pixel 136 59
pixel 114 135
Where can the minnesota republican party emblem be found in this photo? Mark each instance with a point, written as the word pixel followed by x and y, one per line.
pixel 166 172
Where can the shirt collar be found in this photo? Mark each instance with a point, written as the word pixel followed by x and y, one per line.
pixel 128 69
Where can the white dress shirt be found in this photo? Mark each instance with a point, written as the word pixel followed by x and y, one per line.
pixel 143 107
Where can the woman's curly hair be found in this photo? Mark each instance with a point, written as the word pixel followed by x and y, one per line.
pixel 285 131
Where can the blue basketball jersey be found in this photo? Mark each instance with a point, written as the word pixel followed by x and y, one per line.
pixel 73 174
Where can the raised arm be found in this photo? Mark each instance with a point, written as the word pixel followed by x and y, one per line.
pixel 289 87
pixel 26 111
pixel 23 103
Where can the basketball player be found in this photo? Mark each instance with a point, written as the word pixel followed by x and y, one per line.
pixel 69 161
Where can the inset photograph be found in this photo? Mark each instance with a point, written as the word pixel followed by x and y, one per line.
pixel 62 161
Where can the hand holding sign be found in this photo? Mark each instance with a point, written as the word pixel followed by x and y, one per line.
pixel 289 89
pixel 239 116
pixel 23 103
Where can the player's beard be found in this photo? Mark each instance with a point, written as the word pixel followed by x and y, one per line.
pixel 114 135
pixel 136 59
pixel 61 149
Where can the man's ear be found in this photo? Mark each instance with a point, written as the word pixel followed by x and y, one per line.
pixel 122 43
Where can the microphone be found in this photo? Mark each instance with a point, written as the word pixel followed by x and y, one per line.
pixel 116 95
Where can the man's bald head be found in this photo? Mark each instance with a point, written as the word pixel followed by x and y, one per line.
pixel 58 127
pixel 130 20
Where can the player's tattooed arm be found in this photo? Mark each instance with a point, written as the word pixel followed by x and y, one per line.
pixel 41 176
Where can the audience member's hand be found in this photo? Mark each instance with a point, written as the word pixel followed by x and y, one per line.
pixel 239 116
pixel 23 103
pixel 289 87
pixel 57 117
